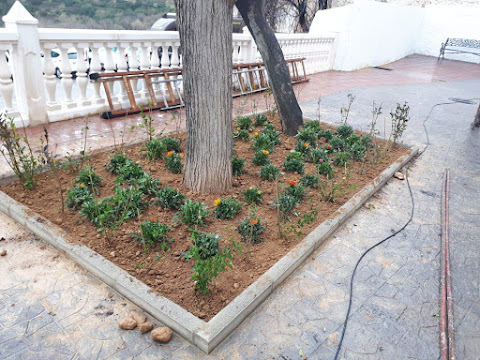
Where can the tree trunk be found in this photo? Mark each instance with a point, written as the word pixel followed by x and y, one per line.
pixel 206 39
pixel 288 109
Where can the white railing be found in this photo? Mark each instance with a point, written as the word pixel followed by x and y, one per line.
pixel 49 84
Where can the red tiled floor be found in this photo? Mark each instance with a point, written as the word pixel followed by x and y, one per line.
pixel 67 136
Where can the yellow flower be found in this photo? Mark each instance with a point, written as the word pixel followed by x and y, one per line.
pixel 265 152
pixel 255 134
pixel 217 202
pixel 81 185
pixel 259 192
pixel 265 123
pixel 238 129
pixel 306 172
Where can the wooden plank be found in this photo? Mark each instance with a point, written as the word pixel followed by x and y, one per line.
pixel 148 84
pixel 109 97
pixel 170 89
pixel 128 88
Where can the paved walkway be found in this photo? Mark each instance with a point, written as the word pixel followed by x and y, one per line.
pixel 52 309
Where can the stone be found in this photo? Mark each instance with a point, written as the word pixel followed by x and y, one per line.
pixel 140 319
pixel 162 334
pixel 3 252
pixel 145 327
pixel 127 323
pixel 399 175
pixel 235 285
pixel 58 221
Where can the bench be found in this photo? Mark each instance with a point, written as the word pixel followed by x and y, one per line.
pixel 459 46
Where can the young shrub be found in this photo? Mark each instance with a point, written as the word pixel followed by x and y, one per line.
pixel 325 168
pixel 344 131
pixel 250 229
pixel 262 142
pixel 286 204
pixel 172 144
pixel 307 136
pixel 155 149
pixel 116 161
pixel 194 213
pixel 309 180
pixel 313 125
pixel 146 184
pixel 337 144
pixel 353 139
pixel 173 162
pixel 238 166
pixel 244 122
pixel 129 172
pixel 153 232
pixel 260 157
pixel 269 172
pixel 242 135
pixel 357 151
pixel 260 120
pixel 366 141
pixel 295 190
pixel 206 244
pixel 317 155
pixel 77 196
pixel 302 147
pixel 226 208
pixel 272 134
pixel 169 198
pixel 294 155
pixel 326 134
pixel 88 178
pixel 341 158
pixel 294 165
pixel 253 195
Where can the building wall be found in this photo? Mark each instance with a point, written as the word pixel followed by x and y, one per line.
pixel 421 3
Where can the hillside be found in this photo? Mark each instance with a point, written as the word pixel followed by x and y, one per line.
pixel 94 14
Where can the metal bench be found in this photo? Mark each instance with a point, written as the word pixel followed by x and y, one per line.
pixel 459 46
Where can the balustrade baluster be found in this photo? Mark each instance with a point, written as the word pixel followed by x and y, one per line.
pixel 165 62
pixel 123 66
pixel 95 67
pixel 82 76
pixel 6 83
pixel 134 63
pixel 67 80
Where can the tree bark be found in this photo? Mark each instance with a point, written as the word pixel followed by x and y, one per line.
pixel 289 111
pixel 206 39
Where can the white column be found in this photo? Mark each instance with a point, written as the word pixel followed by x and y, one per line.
pixel 95 67
pixel 6 84
pixel 50 77
pixel 66 81
pixel 27 65
pixel 82 76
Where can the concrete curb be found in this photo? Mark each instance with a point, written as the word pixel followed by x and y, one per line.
pixel 205 335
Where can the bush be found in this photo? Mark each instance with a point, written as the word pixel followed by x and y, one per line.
pixel 313 125
pixel 207 244
pixel 286 204
pixel 317 155
pixel 307 136
pixel 326 134
pixel 252 195
pixel 294 155
pixel 173 162
pixel 260 157
pixel 242 135
pixel 294 165
pixel 344 131
pixel 116 162
pixel 153 232
pixel 272 134
pixel 77 196
pixel 309 180
pixel 172 144
pixel 129 172
pixel 146 184
pixel 341 158
pixel 263 142
pixel 357 151
pixel 250 229
pixel 269 172
pixel 260 120
pixel 325 168
pixel 302 147
pixel 155 149
pixel 194 213
pixel 88 178
pixel 169 198
pixel 295 190
pixel 337 144
pixel 238 166
pixel 244 122
pixel 227 208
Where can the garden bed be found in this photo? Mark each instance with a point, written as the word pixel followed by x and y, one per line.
pixel 168 272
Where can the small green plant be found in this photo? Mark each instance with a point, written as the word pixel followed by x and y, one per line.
pixel 302 147
pixel 285 205
pixel 250 229
pixel 260 120
pixel 272 134
pixel 313 125
pixel 169 198
pixel 147 184
pixel 399 121
pixel 325 168
pixel 315 155
pixel 129 172
pixel 260 157
pixel 269 172
pixel 147 122
pixel 307 136
pixel 337 144
pixel 345 110
pixel 263 142
pixel 242 135
pixel 357 151
pixel 329 193
pixel 194 213
pixel 326 134
pixel 344 131
pixel 294 165
pixel 18 153
pixel 173 162
pixel 309 180
pixel 153 232
pixel 116 162
pixel 244 122
pixel 294 155
pixel 227 208
pixel 253 195
pixel 295 190
pixel 172 144
pixel 77 196
pixel 298 228
pixel 341 158
pixel 206 244
pixel 154 149
pixel 88 178
pixel 238 166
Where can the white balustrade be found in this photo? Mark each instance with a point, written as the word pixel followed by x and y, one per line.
pixel 73 96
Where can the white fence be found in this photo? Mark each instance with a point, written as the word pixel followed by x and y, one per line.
pixel 32 59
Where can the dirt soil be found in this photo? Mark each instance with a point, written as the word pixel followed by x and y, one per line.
pixel 170 274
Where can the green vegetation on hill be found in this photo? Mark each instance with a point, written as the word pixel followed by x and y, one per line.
pixel 94 14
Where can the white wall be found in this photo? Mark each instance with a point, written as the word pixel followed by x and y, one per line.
pixel 370 33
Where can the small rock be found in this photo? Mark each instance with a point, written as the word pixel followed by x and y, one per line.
pixel 109 295
pixel 140 319
pixel 58 221
pixel 399 175
pixel 202 315
pixel 98 236
pixel 145 327
pixel 2 239
pixel 127 323
pixel 3 252
pixel 162 334
pixel 113 254
pixel 235 285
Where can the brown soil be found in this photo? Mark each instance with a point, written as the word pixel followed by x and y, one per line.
pixel 170 276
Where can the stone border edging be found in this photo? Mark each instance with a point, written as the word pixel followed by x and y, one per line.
pixel 205 335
